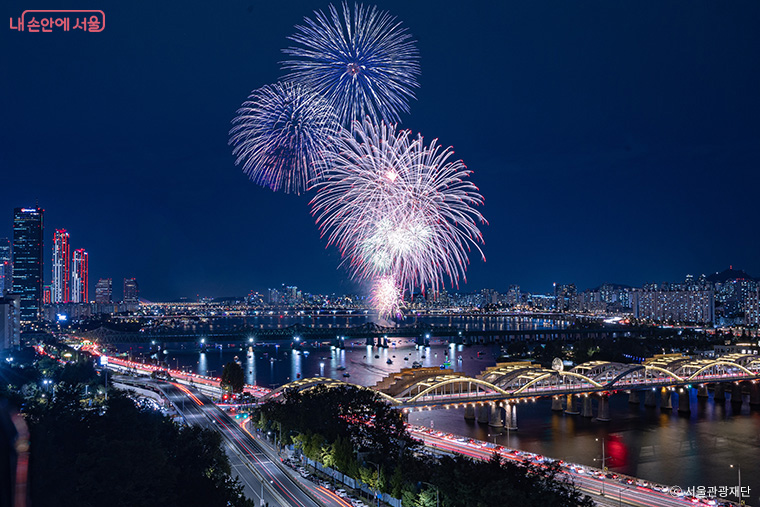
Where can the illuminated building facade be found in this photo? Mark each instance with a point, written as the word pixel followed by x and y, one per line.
pixel 28 229
pixel 104 291
pixel 131 291
pixel 61 267
pixel 6 273
pixel 80 281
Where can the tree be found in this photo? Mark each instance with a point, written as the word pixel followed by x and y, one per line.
pixel 124 456
pixel 233 377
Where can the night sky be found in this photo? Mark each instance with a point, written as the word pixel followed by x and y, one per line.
pixel 614 141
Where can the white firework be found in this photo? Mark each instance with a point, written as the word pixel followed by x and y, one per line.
pixel 396 207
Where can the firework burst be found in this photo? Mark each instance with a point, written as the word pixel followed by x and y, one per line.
pixel 364 62
pixel 396 207
pixel 386 297
pixel 281 135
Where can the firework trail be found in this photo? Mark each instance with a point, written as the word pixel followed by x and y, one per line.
pixel 364 62
pixel 281 135
pixel 397 208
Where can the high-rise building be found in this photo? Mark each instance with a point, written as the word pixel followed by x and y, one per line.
pixel 673 304
pixel 752 308
pixel 61 267
pixel 6 274
pixel 514 296
pixel 47 294
pixel 10 317
pixel 104 291
pixel 131 291
pixel 28 229
pixel 80 281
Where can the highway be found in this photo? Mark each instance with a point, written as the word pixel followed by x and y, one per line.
pixel 252 461
pixel 249 461
pixel 616 493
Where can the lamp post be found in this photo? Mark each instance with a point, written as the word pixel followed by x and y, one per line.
pixel 261 501
pixel 377 483
pixel 437 503
pixel 621 495
pixel 604 465
pixel 739 494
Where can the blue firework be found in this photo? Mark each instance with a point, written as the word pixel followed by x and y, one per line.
pixel 364 63
pixel 281 135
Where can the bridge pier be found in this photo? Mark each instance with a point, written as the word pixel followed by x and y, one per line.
pixel 684 405
pixel 510 420
pixel 754 394
pixel 665 395
pixel 482 412
pixel 469 412
pixel 557 404
pixel 494 420
pixel 719 394
pixel 572 408
pixel 702 392
pixel 370 341
pixel 649 399
pixel 587 407
pixel 736 394
pixel 604 408
pixel 633 397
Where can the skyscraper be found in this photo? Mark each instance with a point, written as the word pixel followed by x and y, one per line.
pixel 10 329
pixel 61 267
pixel 104 291
pixel 80 281
pixel 131 291
pixel 6 275
pixel 27 259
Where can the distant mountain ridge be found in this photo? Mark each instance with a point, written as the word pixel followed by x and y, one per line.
pixel 730 274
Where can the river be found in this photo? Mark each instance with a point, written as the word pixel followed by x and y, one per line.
pixel 657 445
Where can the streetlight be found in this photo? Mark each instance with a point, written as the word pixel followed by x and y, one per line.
pixel 437 503
pixel 604 467
pixel 377 483
pixel 621 495
pixel 261 501
pixel 739 493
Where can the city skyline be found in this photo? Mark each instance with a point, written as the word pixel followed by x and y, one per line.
pixel 66 273
pixel 594 162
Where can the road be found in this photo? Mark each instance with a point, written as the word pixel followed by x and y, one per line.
pixel 248 459
pixel 615 492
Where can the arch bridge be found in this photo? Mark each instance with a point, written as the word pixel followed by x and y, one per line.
pixel 517 381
